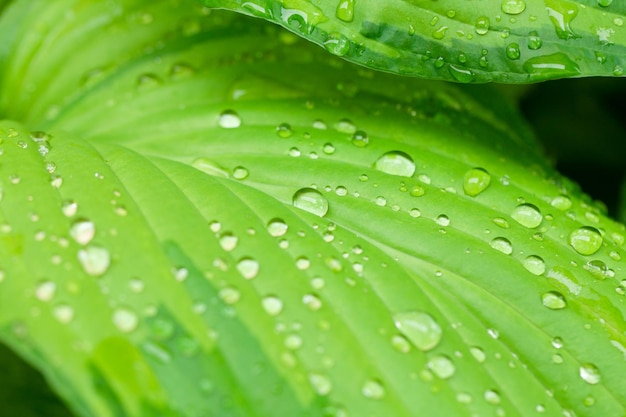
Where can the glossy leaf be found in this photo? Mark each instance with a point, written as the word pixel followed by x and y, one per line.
pixel 221 219
pixel 509 41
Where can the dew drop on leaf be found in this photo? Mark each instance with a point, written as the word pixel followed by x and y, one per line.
pixel 293 342
pixel 125 319
pixel 248 267
pixel 589 373
pixel 337 44
pixel 228 241
pixel 586 240
pixel 561 202
pixel 513 7
pixel 420 328
pixel 82 231
pixel 396 163
pixel 272 305
pixel 513 51
pixel 492 396
pixel 534 41
pixel 527 215
pixel 597 268
pixel 400 343
pixel 69 208
pixel 229 295
pixel 475 181
pixel 478 354
pixel 345 10
pixel 360 139
pixel 605 3
pixel 534 264
pixel 277 227
pixel 240 173
pixel 95 260
pixel 373 389
pixel 443 220
pixel 45 290
pixel 441 366
pixel 321 384
pixel 345 126
pixel 229 119
pixel 283 130
pixel 554 300
pixel 312 301
pixel 311 200
pixel 502 244
pixel 482 25
pixel 63 313
pixel 329 148
pixel 210 167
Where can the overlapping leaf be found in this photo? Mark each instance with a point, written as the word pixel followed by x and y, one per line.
pixel 511 41
pixel 222 220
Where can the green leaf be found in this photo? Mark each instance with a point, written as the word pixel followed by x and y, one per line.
pixel 509 41
pixel 229 221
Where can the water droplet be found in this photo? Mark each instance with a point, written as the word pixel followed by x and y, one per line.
pixel 312 301
pixel 311 200
pixel 277 227
pixel 303 263
pixel 461 74
pixel 180 274
pixel 605 3
pixel 502 244
pixel 527 215
pixel 443 220
pixel 561 15
pixel 381 201
pixel 82 231
pixel 345 10
pixel 492 396
pixel 345 126
pixel 272 305
pixel 396 163
pixel 586 240
pixel 229 295
pixel 283 130
pixel 240 173
pixel 293 342
pixel 482 25
pixel 417 191
pixel 248 268
pixel 125 320
pixel 589 373
pixel 373 389
pixel 534 41
pixel 228 241
pixel 360 139
pixel 513 51
pixel 597 268
pixel 440 33
pixel 136 285
pixel 551 65
pixel 475 181
pixel 464 398
pixel 95 260
pixel 210 167
pixel 69 208
pixel 63 313
pixel 554 300
pixel 441 366
pixel 513 6
pixel 420 328
pixel 229 119
pixel 45 290
pixel 561 202
pixel 478 354
pixel 147 82
pixel 321 384
pixel 535 265
pixel 500 222
pixel 337 44
pixel 400 343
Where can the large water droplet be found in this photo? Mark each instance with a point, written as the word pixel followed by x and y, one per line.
pixel 502 244
pixel 586 240
pixel 476 180
pixel 420 328
pixel 597 268
pixel 589 373
pixel 373 389
pixel 272 305
pixel 561 15
pixel 527 215
pixel 321 384
pixel 513 6
pixel 248 267
pixel 337 44
pixel 554 300
pixel 229 119
pixel 311 200
pixel 125 319
pixel 396 163
pixel 441 366
pixel 345 10
pixel 95 260
pixel 535 265
pixel 82 231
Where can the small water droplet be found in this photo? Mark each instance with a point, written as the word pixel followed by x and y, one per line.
pixel 312 301
pixel 345 126
pixel 82 231
pixel 95 260
pixel 337 44
pixel 420 328
pixel 228 241
pixel 534 41
pixel 303 263
pixel 400 343
pixel 360 139
pixel 441 366
pixel 147 82
pixel 69 208
pixel 373 389
pixel 461 74
pixel 586 240
pixel 561 202
pixel 293 342
pixel 492 396
pixel 45 290
pixel 443 220
pixel 535 265
pixel 502 244
pixel 284 131
pixel 396 163
pixel 321 384
pixel 311 200
pixel 125 319
pixel 63 313
pixel 277 227
pixel 482 25
pixel 554 300
pixel 210 167
pixel 229 119
pixel 597 268
pixel 272 305
pixel 512 51
pixel 478 354
pixel 240 173
pixel 345 10
pixel 475 181
pixel 248 268
pixel 229 295
pixel 589 373
pixel 527 215
pixel 561 15
pixel 513 6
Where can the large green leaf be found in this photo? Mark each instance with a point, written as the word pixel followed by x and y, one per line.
pixel 511 41
pixel 224 220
